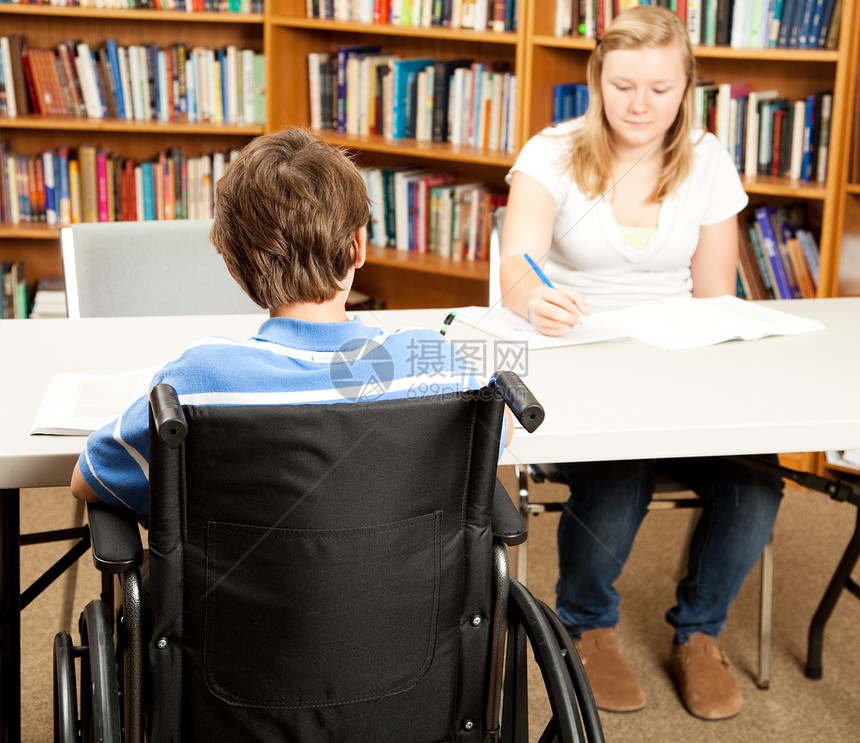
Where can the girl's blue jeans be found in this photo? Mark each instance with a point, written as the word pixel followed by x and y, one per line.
pixel 607 504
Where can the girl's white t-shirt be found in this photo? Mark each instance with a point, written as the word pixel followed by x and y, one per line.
pixel 589 251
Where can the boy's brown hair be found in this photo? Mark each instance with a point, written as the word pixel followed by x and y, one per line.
pixel 286 213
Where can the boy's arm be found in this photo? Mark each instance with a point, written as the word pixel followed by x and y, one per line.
pixel 80 489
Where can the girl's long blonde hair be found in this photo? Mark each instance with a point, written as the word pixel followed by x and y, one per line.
pixel 591 147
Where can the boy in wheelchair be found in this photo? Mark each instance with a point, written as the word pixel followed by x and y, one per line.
pixel 290 222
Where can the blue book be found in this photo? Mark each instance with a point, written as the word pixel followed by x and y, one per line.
pixel 113 61
pixel 61 178
pixel 826 20
pixel 815 25
pixel 790 11
pixel 805 25
pixel 147 186
pixel 563 97
pixel 774 21
pixel 191 92
pixel 343 54
pixel 808 139
pixel 222 65
pixel 797 23
pixel 769 246
pixel 400 69
pixel 581 101
pixel 49 175
pixel 99 88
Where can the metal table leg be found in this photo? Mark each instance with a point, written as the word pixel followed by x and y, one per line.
pixel 10 616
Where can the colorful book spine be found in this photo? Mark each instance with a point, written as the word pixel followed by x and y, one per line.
pixel 769 246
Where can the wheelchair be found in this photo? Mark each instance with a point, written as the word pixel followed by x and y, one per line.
pixel 320 572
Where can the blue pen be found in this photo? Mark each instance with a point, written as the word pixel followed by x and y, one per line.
pixel 541 274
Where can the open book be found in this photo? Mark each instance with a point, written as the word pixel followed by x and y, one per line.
pixel 671 323
pixel 692 323
pixel 78 404
pixel 502 323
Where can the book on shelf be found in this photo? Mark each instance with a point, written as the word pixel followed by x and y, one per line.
pixel 49 298
pixel 442 80
pixel 90 184
pixel 403 72
pixel 569 100
pixel 825 109
pixel 344 53
pixel 14 290
pixel 777 245
pixel 776 267
pixel 139 82
pixel 749 268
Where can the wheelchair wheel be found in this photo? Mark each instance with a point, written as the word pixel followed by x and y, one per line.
pixel 65 690
pixel 100 706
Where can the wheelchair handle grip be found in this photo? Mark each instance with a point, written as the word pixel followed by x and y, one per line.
pixel 519 398
pixel 170 423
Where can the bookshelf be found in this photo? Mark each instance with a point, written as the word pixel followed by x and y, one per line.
pixel 47 26
pixel 538 57
pixel 403 278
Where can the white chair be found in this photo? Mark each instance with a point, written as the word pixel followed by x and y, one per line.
pixel 497 221
pixel 123 269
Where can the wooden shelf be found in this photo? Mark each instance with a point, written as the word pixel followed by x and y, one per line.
pixel 434 264
pixel 410 148
pixel 157 16
pixel 381 29
pixel 705 52
pixel 29 231
pixel 62 123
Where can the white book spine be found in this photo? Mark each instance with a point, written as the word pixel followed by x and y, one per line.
pixel 125 84
pixel 824 137
pixel 51 216
pixel 9 81
pixel 163 97
pixel 694 21
pixel 798 122
pixel 314 88
pixel 247 56
pixel 232 87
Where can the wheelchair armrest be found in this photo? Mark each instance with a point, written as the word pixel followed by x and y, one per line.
pixel 519 398
pixel 116 542
pixel 508 525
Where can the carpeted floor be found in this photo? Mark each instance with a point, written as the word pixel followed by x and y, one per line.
pixel 811 532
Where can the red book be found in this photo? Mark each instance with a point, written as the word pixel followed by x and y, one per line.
pixel 102 186
pixel 67 60
pixel 38 205
pixel 41 95
pixel 35 102
pixel 777 138
pixel 168 76
pixel 129 193
pixel 498 16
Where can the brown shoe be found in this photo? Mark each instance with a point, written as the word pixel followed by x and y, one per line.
pixel 612 681
pixel 705 679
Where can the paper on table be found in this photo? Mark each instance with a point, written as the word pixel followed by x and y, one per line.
pixel 502 323
pixel 78 404
pixel 692 323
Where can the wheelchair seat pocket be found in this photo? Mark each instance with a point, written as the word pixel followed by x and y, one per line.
pixel 322 599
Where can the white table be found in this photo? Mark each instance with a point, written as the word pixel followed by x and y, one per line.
pixel 614 400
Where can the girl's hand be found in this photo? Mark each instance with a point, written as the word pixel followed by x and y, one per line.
pixel 555 311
